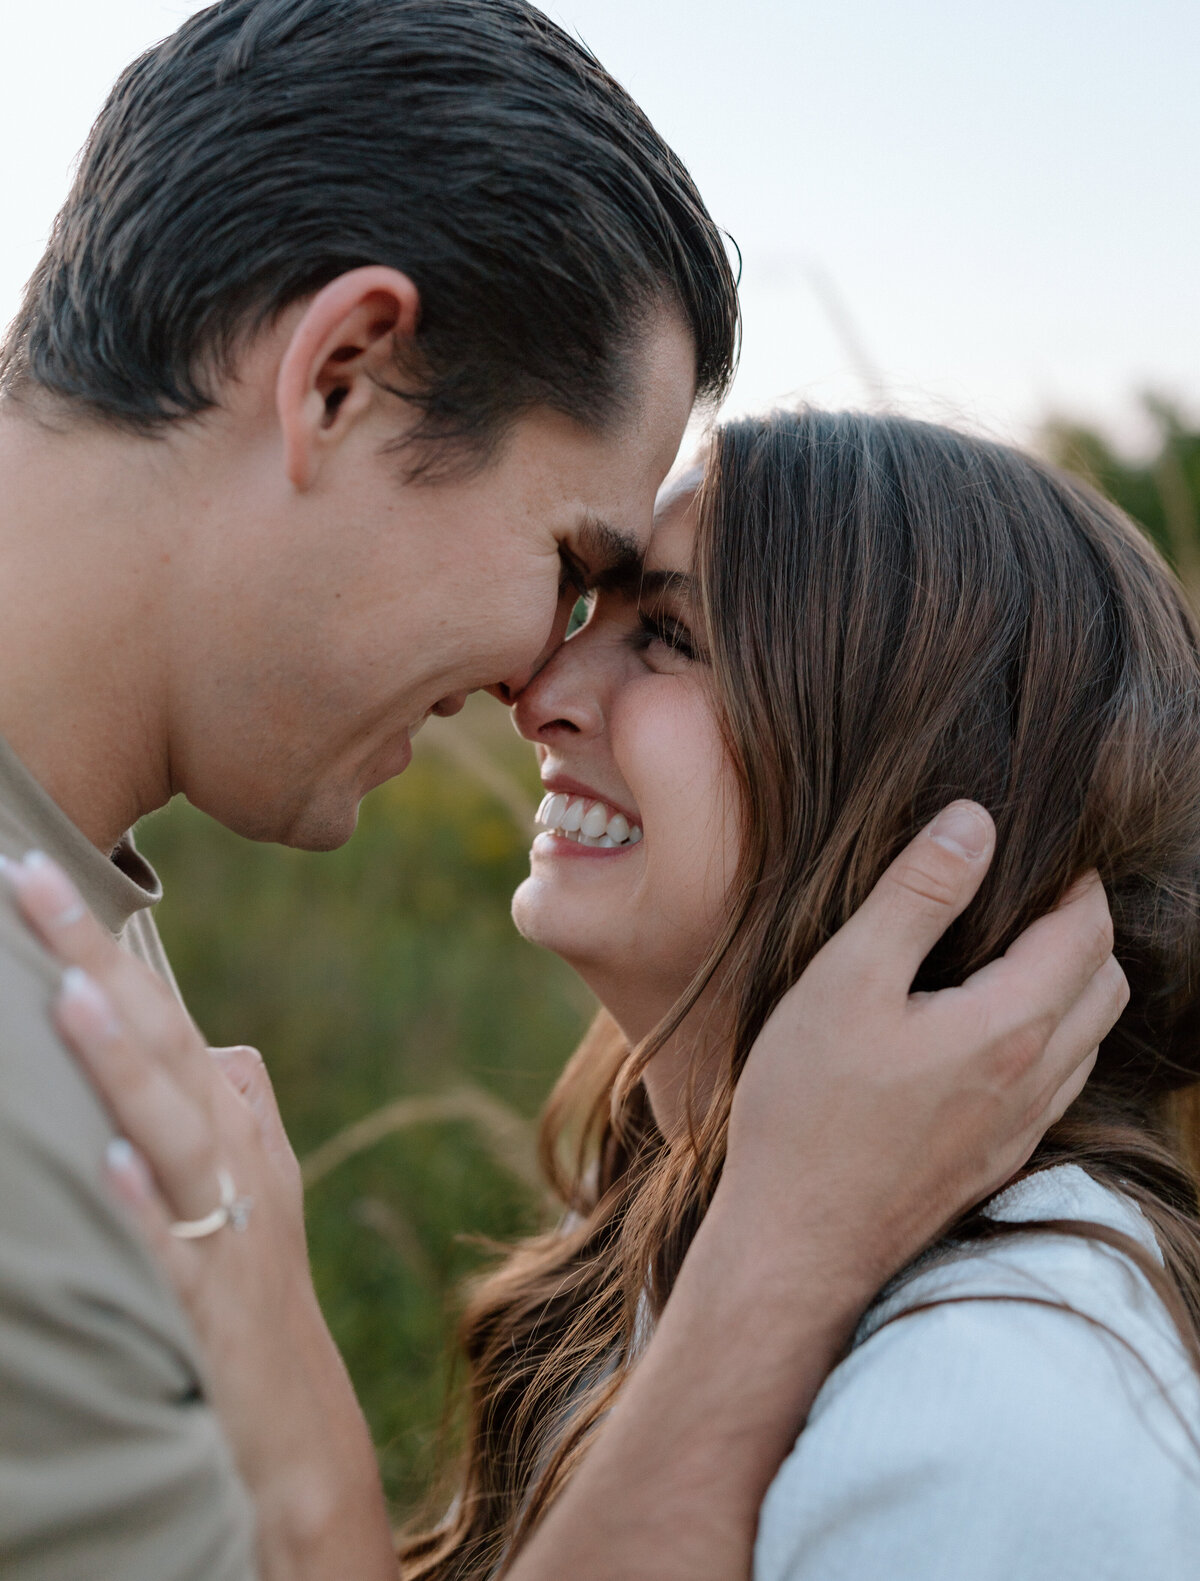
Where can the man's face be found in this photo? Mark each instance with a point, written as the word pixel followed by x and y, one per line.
pixel 335 621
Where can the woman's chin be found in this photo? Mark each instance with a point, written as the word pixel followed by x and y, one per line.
pixel 555 923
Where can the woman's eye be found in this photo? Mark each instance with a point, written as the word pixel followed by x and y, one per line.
pixel 673 634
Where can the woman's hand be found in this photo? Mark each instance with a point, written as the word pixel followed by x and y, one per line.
pixel 192 1120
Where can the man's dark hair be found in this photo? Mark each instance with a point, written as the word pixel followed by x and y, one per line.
pixel 270 145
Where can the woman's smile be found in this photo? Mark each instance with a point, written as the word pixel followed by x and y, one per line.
pixel 584 822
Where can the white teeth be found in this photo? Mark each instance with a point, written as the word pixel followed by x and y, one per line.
pixel 573 816
pixel 595 820
pixel 585 821
pixel 552 813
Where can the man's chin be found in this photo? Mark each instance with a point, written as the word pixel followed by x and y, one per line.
pixel 318 817
pixel 320 826
pixel 316 825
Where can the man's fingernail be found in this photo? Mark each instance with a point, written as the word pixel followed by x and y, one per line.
pixel 963 828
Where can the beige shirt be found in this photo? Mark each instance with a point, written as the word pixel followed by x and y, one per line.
pixel 112 1464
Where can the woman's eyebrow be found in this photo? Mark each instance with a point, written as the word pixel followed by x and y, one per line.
pixel 682 583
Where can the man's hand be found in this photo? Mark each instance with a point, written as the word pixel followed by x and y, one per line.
pixel 866 1119
pixel 900 1110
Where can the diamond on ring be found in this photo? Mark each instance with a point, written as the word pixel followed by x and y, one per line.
pixel 239 1212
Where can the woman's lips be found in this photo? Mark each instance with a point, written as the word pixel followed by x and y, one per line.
pixel 562 845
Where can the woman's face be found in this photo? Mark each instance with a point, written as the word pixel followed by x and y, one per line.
pixel 632 888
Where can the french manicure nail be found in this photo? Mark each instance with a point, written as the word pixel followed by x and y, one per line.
pixel 59 888
pixel 119 1153
pixel 81 992
pixel 128 1165
pixel 963 828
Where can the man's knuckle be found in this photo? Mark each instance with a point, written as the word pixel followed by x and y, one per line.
pixel 1118 984
pixel 930 881
pixel 1020 1050
pixel 1097 936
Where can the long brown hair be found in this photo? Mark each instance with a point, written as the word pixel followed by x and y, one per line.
pixel 898 615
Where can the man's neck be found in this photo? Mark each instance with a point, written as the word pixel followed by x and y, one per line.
pixel 82 677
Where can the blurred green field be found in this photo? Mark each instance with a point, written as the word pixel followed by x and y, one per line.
pixel 389 971
pixel 386 970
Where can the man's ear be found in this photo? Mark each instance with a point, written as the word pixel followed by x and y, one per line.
pixel 343 343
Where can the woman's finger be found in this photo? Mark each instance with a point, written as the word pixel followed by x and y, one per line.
pixel 148 1104
pixel 155 1017
pixel 54 909
pixel 132 1181
pixel 246 1071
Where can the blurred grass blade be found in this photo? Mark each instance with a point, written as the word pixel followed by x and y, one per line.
pixel 508 1136
pixel 467 753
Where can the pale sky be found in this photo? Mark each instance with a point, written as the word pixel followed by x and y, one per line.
pixel 987 209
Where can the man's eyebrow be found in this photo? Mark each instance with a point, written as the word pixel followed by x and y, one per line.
pixel 610 553
pixel 615 565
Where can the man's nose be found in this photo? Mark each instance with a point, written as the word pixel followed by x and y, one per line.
pixel 448 706
pixel 508 690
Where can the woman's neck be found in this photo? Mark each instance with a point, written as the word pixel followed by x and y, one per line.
pixel 683 1074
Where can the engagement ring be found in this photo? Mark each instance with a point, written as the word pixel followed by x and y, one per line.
pixel 232 1210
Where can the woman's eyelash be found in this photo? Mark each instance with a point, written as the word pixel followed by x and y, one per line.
pixel 658 628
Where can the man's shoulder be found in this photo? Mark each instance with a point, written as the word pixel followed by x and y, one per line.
pixel 56 1214
pixel 98 1364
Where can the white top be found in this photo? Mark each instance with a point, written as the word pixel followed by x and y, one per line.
pixel 1000 1440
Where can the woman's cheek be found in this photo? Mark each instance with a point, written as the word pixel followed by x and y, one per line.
pixel 673 757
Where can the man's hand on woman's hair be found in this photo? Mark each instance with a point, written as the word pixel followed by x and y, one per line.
pixel 920 1105
pixel 867 1118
